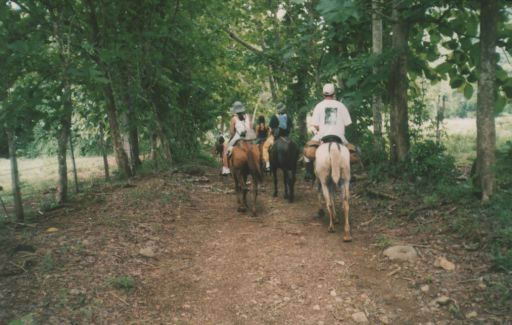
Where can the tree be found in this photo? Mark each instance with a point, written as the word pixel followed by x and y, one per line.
pixel 377 104
pixel 398 84
pixel 486 131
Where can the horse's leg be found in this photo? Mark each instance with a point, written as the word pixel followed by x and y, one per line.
pixel 345 196
pixel 254 193
pixel 321 199
pixel 285 181
pixel 330 206
pixel 274 175
pixel 245 190
pixel 238 189
pixel 292 184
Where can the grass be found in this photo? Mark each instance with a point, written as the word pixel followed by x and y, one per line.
pixel 460 138
pixel 40 174
pixel 123 282
pixel 383 241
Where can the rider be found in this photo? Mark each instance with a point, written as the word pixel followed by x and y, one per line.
pixel 238 126
pixel 220 151
pixel 280 125
pixel 261 130
pixel 330 117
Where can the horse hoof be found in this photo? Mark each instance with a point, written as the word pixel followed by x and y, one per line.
pixel 347 238
pixel 241 209
pixel 331 229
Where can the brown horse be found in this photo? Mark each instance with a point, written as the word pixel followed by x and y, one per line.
pixel 245 160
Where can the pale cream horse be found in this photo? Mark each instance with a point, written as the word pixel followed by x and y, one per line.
pixel 332 169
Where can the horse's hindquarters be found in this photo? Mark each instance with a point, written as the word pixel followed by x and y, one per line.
pixel 332 168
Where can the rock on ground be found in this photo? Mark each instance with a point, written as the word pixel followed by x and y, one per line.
pixel 359 317
pixel 401 253
pixel 442 262
pixel 148 252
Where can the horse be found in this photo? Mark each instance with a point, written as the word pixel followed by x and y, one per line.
pixel 332 169
pixel 284 155
pixel 244 161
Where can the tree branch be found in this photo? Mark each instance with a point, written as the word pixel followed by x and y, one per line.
pixel 245 44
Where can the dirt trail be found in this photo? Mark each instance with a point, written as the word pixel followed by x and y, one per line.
pixel 208 264
pixel 282 267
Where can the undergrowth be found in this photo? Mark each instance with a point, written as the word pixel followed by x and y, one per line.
pixel 429 175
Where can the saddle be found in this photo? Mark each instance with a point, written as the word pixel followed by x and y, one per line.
pixel 311 146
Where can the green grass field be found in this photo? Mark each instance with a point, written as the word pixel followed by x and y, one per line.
pixel 42 173
pixel 460 137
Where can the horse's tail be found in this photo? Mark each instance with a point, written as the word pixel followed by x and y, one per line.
pixel 254 165
pixel 336 163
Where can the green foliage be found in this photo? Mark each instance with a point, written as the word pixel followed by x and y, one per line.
pixel 48 263
pixel 48 203
pixel 124 282
pixel 383 241
pixel 428 162
pixel 27 319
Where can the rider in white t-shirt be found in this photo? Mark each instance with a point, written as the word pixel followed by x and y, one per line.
pixel 330 117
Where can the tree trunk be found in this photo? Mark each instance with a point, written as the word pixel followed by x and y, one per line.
pixel 123 164
pixel 130 137
pixel 63 136
pixel 134 146
pixel 154 146
pixel 299 91
pixel 62 143
pixel 399 118
pixel 440 117
pixel 73 161
pixel 272 83
pixel 160 131
pixel 377 104
pixel 486 129
pixel 15 179
pixel 133 137
pixel 104 152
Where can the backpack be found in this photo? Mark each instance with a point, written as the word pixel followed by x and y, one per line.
pixel 283 121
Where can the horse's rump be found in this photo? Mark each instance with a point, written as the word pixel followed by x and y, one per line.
pixel 246 155
pixel 285 154
pixel 333 160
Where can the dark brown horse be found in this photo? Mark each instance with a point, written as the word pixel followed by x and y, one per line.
pixel 284 155
pixel 244 161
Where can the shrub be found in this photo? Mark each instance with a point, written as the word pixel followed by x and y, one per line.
pixel 124 282
pixel 428 162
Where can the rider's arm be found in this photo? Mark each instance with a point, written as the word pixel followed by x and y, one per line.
pixel 232 125
pixel 315 119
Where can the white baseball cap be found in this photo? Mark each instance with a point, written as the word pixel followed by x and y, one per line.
pixel 328 90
